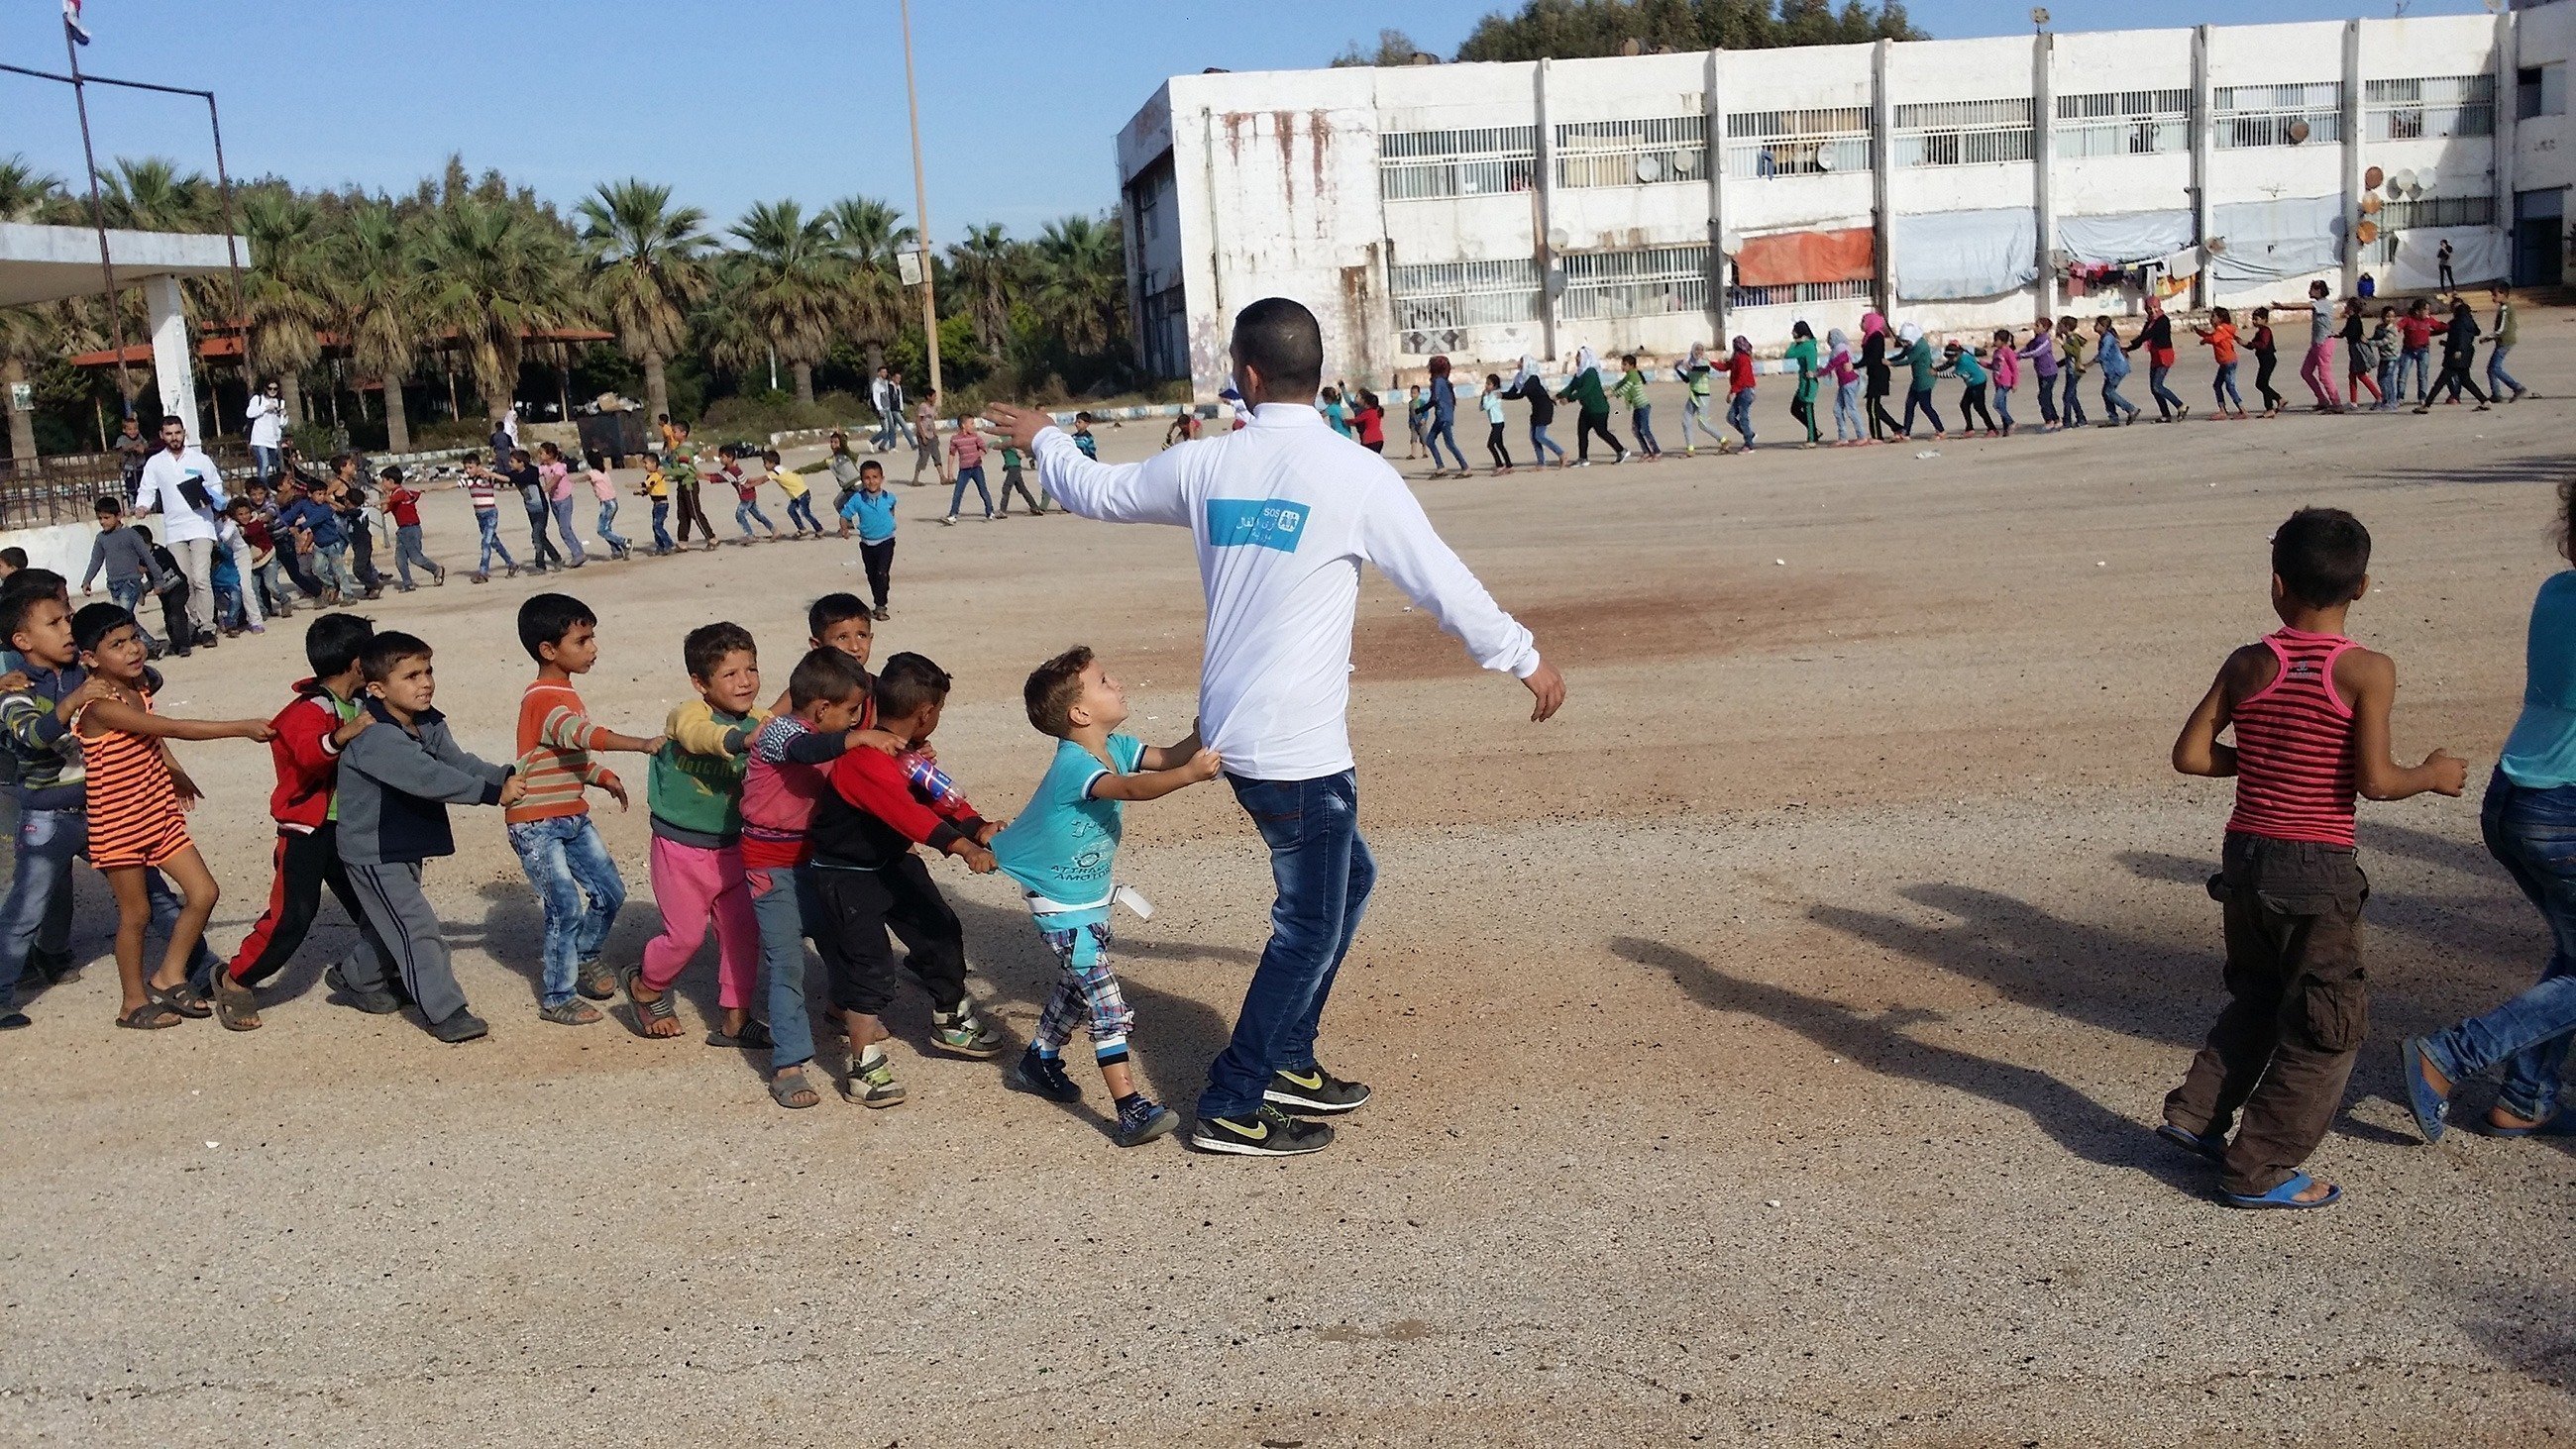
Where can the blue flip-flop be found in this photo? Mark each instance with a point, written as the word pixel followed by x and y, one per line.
pixel 2432 1110
pixel 2210 1145
pixel 2286 1195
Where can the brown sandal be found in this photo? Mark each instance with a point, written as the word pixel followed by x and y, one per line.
pixel 153 1015
pixel 235 1006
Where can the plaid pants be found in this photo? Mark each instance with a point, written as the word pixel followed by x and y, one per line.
pixel 1086 994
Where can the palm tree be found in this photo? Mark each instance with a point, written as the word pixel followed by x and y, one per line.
pixel 285 289
pixel 153 195
pixel 649 268
pixel 26 333
pixel 986 268
pixel 27 194
pixel 868 234
pixel 374 295
pixel 492 274
pixel 792 284
pixel 1082 281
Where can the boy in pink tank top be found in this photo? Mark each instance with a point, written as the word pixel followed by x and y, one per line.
pixel 2309 711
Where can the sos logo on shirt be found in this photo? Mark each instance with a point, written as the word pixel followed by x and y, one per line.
pixel 1249 523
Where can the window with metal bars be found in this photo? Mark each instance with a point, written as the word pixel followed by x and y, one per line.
pixel 1421 165
pixel 1443 296
pixel 1632 153
pixel 2428 108
pixel 2436 211
pixel 2291 115
pixel 1645 282
pixel 1963 133
pixel 1798 143
pixel 2123 123
pixel 1795 294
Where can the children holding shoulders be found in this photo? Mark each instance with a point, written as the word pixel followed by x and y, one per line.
pixel 2267 355
pixel 2071 349
pixel 482 489
pixel 399 772
pixel 136 795
pixel 2310 713
pixel 307 738
pixel 1491 401
pixel 550 825
pixel 656 489
pixel 1631 389
pixel 867 880
pixel 746 492
pixel 2117 411
pixel 1062 851
pixel 695 793
pixel 403 502
pixel 872 509
pixel 2220 337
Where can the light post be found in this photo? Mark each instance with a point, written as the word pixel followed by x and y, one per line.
pixel 921 204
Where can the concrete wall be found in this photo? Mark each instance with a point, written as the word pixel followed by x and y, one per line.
pixel 1269 183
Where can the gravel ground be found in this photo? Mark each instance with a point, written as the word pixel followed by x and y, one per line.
pixel 1765 1050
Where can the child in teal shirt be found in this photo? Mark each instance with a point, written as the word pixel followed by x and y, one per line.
pixel 1061 849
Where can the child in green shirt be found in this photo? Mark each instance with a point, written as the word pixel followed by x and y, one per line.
pixel 1631 389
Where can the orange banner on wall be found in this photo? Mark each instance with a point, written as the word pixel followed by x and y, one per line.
pixel 1789 257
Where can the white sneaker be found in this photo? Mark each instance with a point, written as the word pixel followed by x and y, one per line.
pixel 949 522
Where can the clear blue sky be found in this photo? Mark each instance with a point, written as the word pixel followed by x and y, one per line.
pixel 732 103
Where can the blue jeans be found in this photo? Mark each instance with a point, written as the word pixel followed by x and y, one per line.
pixel 39 901
pixel 1446 428
pixel 957 495
pixel 781 915
pixel 1640 415
pixel 2421 360
pixel 407 551
pixel 1921 398
pixel 562 509
pixel 566 860
pixel 745 511
pixel 1847 423
pixel 2222 388
pixel 2533 834
pixel 2168 402
pixel 2073 408
pixel 1541 445
pixel 2113 405
pixel 1739 414
pixel 2047 387
pixel 489 521
pixel 129 597
pixel 266 463
pixel 617 542
pixel 800 510
pixel 2003 407
pixel 661 534
pixel 331 567
pixel 2387 383
pixel 1323 872
pixel 2498 380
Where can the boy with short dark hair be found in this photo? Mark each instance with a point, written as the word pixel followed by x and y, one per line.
pixel 550 826
pixel 1062 849
pixel 316 725
pixel 872 508
pixel 1082 438
pixel 867 879
pixel 127 558
pixel 695 793
pixel 398 775
pixel 2309 709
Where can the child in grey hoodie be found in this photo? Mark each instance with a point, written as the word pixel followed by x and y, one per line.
pixel 398 775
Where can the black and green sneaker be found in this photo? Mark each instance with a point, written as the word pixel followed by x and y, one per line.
pixel 1314 1090
pixel 1268 1132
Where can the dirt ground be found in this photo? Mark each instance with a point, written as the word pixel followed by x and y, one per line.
pixel 1765 1051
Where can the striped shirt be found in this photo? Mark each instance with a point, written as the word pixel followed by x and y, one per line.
pixel 134 814
pixel 555 740
pixel 2294 768
pixel 482 491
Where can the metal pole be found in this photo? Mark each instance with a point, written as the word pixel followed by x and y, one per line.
pixel 232 259
pixel 98 216
pixel 921 204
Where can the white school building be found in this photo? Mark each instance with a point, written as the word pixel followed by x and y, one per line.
pixel 1492 211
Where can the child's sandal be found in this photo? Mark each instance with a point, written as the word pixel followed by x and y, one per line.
pixel 648 1014
pixel 181 998
pixel 152 1015
pixel 790 1090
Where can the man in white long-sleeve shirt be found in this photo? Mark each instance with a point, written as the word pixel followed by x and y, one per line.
pixel 1284 513
pixel 188 525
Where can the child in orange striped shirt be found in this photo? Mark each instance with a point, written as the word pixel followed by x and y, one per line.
pixel 137 799
pixel 550 825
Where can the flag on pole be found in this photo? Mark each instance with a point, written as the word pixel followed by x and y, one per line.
pixel 72 21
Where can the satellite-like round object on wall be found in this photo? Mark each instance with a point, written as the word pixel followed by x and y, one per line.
pixel 1824 159
pixel 1731 243
pixel 2370 204
pixel 1685 163
pixel 2366 233
pixel 2403 180
pixel 1649 170
pixel 2373 177
pixel 2297 132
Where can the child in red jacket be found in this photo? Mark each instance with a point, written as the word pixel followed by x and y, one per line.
pixel 310 731
pixel 867 879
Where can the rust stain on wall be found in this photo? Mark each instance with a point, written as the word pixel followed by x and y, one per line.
pixel 1285 123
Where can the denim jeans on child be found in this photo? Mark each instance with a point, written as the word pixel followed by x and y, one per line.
pixel 661 530
pixel 782 901
pixel 747 510
pixel 562 510
pixel 2533 834
pixel 1643 417
pixel 128 593
pixel 1322 870
pixel 2499 381
pixel 47 841
pixel 407 551
pixel 617 542
pixel 1739 414
pixel 566 861
pixel 957 495
pixel 489 520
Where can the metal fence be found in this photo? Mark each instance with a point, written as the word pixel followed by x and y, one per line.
pixel 1646 282
pixel 64 488
pixel 1446 296
pixel 2428 108
pixel 2292 115
pixel 2123 123
pixel 1963 133
pixel 1420 165
pixel 1646 152
pixel 1798 294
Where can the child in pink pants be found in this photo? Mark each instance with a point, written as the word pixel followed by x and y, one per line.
pixel 695 794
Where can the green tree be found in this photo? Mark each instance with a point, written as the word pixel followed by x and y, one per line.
pixel 26 333
pixel 986 270
pixel 1394 47
pixel 1081 277
pixel 286 289
pixel 492 274
pixel 793 282
pixel 648 268
pixel 1564 29
pixel 375 303
pixel 868 233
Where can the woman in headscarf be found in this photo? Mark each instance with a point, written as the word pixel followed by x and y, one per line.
pixel 2459 344
pixel 2157 337
pixel 1876 375
pixel 1918 356
pixel 1802 354
pixel 1739 390
pixel 1846 381
pixel 1698 376
pixel 1529 388
pixel 1592 402
pixel 1444 418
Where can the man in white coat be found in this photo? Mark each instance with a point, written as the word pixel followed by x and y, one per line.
pixel 1284 512
pixel 183 485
